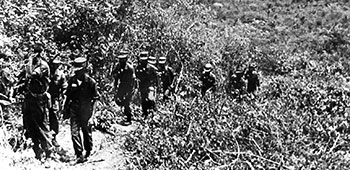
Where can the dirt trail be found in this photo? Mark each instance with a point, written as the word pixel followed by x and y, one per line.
pixel 107 153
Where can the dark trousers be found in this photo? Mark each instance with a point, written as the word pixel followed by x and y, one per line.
pixel 148 102
pixel 53 115
pixel 80 114
pixel 123 99
pixel 36 123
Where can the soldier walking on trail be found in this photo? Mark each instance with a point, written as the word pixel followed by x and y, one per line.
pixel 124 82
pixel 167 78
pixel 146 73
pixel 57 87
pixel 37 103
pixel 79 105
pixel 208 79
pixel 252 78
pixel 237 84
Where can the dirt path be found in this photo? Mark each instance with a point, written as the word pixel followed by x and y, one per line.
pixel 107 153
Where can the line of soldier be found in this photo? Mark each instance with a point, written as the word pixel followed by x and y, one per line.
pixel 146 77
pixel 47 88
pixel 239 83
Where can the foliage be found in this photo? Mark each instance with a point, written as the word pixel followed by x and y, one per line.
pixel 299 119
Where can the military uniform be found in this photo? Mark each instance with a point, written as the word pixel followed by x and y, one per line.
pixel 58 85
pixel 208 79
pixel 252 79
pixel 166 77
pixel 81 94
pixel 237 84
pixel 124 80
pixel 36 106
pixel 146 73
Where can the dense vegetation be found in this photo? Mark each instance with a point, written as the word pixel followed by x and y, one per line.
pixel 299 120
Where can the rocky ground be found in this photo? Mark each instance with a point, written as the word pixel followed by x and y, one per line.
pixel 107 152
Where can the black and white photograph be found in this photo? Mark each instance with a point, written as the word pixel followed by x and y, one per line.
pixel 175 84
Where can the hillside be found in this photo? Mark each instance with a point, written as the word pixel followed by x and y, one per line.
pixel 298 120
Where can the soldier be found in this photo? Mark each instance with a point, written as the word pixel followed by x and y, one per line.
pixel 37 103
pixel 167 78
pixel 57 87
pixel 81 95
pixel 252 78
pixel 208 79
pixel 237 84
pixel 124 82
pixel 146 73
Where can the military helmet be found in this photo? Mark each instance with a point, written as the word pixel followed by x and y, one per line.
pixel 144 55
pixel 162 60
pixel 123 54
pixel 79 63
pixel 152 60
pixel 208 67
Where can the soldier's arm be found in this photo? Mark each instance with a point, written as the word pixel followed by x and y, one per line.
pixel 154 74
pixel 157 77
pixel 133 81
pixel 68 94
pixel 66 101
pixel 95 96
pixel 115 76
pixel 214 82
pixel 95 93
pixel 213 77
pixel 172 78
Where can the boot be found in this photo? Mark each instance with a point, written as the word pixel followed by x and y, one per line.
pixel 87 154
pixel 81 159
pixel 48 153
pixel 38 152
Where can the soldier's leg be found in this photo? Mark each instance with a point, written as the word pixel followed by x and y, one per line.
pixel 76 139
pixel 144 104
pixel 151 100
pixel 25 118
pixel 127 109
pixel 53 118
pixel 86 113
pixel 44 125
pixel 87 136
pixel 36 148
pixel 45 147
pixel 203 90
